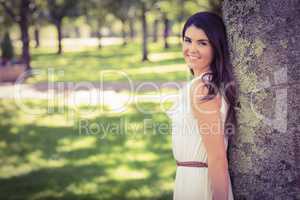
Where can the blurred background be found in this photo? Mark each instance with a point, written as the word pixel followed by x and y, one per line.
pixel 68 129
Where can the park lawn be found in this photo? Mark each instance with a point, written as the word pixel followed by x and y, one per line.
pixel 111 63
pixel 55 151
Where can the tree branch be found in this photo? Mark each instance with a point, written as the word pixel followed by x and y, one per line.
pixel 9 11
pixel 33 7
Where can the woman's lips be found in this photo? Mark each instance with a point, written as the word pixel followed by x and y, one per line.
pixel 193 57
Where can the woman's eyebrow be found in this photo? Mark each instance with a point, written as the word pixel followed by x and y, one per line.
pixel 201 40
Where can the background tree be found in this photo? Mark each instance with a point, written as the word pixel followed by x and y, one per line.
pixel 211 5
pixel 6 49
pixel 5 22
pixel 145 30
pixel 155 30
pixel 143 7
pixel 167 12
pixel 95 15
pixel 131 22
pixel 58 10
pixel 120 9
pixel 264 154
pixel 20 12
pixel 38 20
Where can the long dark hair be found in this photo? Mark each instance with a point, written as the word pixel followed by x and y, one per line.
pixel 221 79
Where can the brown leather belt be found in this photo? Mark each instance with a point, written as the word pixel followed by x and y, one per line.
pixel 191 164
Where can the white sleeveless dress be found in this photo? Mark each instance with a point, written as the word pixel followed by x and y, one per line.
pixel 191 183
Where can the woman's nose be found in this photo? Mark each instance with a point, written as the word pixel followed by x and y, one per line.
pixel 193 47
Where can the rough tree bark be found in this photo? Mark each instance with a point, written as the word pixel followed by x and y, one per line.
pixel 264 156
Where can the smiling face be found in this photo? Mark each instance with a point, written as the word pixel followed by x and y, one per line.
pixel 197 50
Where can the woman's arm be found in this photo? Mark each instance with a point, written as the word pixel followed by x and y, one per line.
pixel 210 127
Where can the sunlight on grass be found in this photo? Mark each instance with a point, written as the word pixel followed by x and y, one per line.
pixel 59 119
pixel 3 144
pixel 72 145
pixel 83 188
pixel 9 169
pixel 46 194
pixel 36 159
pixel 123 173
pixel 94 159
pixel 142 191
pixel 141 156
pixel 87 64
pixel 65 164
pixel 155 57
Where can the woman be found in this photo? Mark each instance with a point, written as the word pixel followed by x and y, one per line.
pixel 203 116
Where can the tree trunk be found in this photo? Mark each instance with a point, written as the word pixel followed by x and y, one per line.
pixel 145 33
pixel 131 28
pixel 180 19
pixel 23 24
pixel 37 36
pixel 58 25
pixel 124 33
pixel 77 32
pixel 264 156
pixel 99 36
pixel 166 31
pixel 155 30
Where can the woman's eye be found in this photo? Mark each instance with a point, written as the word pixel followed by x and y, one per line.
pixel 202 43
pixel 187 40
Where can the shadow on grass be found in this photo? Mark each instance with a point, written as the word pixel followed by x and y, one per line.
pixel 46 158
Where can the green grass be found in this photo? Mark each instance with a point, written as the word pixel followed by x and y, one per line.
pixel 88 64
pixel 51 155
pixel 55 150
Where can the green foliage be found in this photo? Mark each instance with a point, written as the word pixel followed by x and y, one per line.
pixel 95 13
pixel 119 8
pixel 59 9
pixel 7 47
pixel 5 21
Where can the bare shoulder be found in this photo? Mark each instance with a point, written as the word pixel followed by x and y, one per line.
pixel 209 121
pixel 198 91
